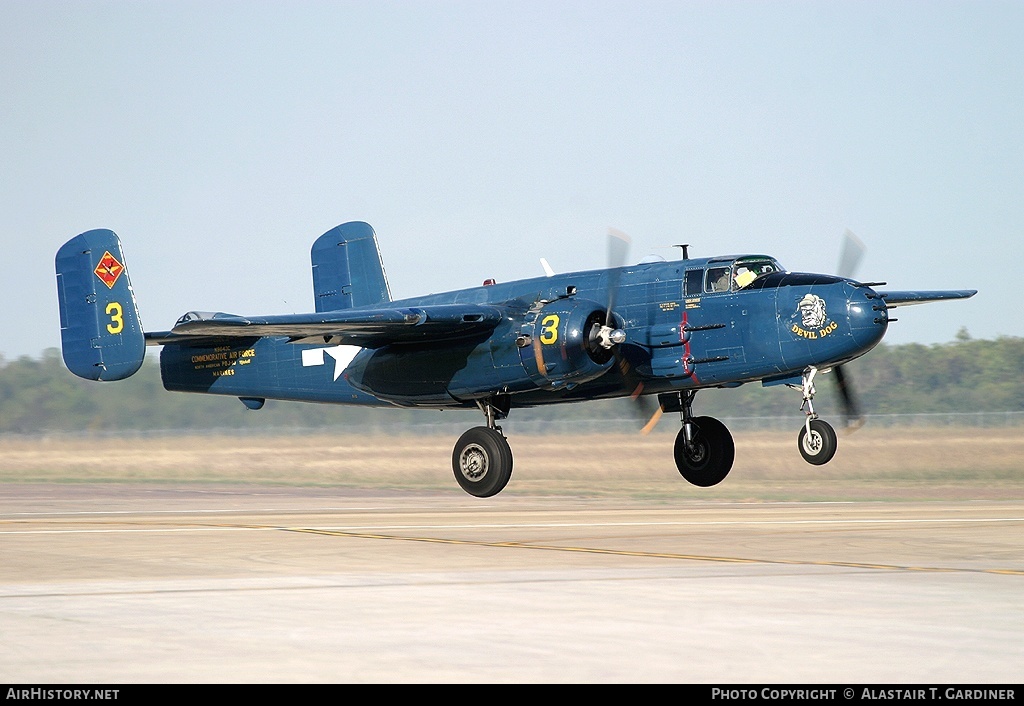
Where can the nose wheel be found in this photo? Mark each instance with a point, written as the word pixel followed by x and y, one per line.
pixel 817 441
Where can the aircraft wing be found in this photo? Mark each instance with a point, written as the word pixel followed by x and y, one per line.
pixel 368 328
pixel 911 297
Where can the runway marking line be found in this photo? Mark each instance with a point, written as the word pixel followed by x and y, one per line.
pixel 588 550
pixel 651 555
pixel 516 525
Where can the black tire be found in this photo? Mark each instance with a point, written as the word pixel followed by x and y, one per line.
pixel 709 459
pixel 482 462
pixel 820 445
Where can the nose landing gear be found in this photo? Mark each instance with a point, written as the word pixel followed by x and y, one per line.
pixel 817 441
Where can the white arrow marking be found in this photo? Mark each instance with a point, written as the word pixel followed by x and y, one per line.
pixel 342 355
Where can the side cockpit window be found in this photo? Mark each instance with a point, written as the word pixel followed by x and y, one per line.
pixel 694 283
pixel 718 279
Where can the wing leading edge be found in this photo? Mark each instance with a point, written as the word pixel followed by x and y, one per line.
pixel 367 328
pixel 906 298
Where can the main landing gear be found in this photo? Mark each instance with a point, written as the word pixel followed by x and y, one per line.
pixel 482 459
pixel 817 441
pixel 704 449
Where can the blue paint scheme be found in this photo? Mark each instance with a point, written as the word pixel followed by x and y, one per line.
pixel 347 269
pixel 656 328
pixel 756 341
pixel 450 349
pixel 257 368
pixel 101 334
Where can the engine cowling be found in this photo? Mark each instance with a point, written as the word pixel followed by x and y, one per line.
pixel 560 346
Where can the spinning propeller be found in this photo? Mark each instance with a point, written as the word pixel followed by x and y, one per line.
pixel 602 336
pixel 602 333
pixel 849 259
pixel 609 338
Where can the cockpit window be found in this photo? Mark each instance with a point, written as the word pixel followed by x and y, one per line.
pixel 726 277
pixel 746 270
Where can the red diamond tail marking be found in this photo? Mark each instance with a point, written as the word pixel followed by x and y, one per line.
pixel 109 270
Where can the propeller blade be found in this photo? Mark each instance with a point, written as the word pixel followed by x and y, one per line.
pixel 649 427
pixel 538 357
pixel 850 256
pixel 645 407
pixel 618 247
pixel 851 408
pixel 618 251
pixel 849 260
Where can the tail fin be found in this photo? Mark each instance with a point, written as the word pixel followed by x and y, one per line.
pixel 347 269
pixel 101 335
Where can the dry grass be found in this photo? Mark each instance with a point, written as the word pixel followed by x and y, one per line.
pixel 875 464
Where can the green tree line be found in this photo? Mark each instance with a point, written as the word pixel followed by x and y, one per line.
pixel 41 395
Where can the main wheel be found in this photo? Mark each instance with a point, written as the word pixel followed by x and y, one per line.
pixel 708 460
pixel 482 462
pixel 820 445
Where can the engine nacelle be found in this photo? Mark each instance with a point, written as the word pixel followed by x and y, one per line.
pixel 553 347
pixel 559 346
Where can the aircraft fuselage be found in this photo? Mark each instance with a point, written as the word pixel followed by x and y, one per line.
pixel 679 335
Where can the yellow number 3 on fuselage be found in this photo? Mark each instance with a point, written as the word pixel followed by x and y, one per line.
pixel 549 329
pixel 116 314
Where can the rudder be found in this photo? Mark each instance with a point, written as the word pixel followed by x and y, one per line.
pixel 101 334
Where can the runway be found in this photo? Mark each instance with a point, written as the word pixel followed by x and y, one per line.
pixel 133 583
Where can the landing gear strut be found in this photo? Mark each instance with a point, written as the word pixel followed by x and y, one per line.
pixel 817 441
pixel 482 459
pixel 704 449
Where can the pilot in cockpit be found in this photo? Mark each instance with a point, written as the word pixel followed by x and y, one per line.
pixel 744 276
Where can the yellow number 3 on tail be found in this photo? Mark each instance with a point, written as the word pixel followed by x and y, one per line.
pixel 116 315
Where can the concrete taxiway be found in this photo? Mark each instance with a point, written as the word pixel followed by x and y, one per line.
pixel 192 583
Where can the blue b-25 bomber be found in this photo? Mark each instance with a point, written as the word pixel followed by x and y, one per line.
pixel 657 330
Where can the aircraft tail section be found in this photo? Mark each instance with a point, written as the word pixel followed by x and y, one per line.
pixel 347 269
pixel 101 334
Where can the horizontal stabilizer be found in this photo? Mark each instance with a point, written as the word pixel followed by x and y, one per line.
pixel 907 298
pixel 368 328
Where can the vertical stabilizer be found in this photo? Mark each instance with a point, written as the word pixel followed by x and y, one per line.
pixel 347 269
pixel 101 335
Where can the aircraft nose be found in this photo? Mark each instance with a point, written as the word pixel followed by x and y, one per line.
pixel 867 316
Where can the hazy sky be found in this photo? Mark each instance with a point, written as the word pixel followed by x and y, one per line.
pixel 219 139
